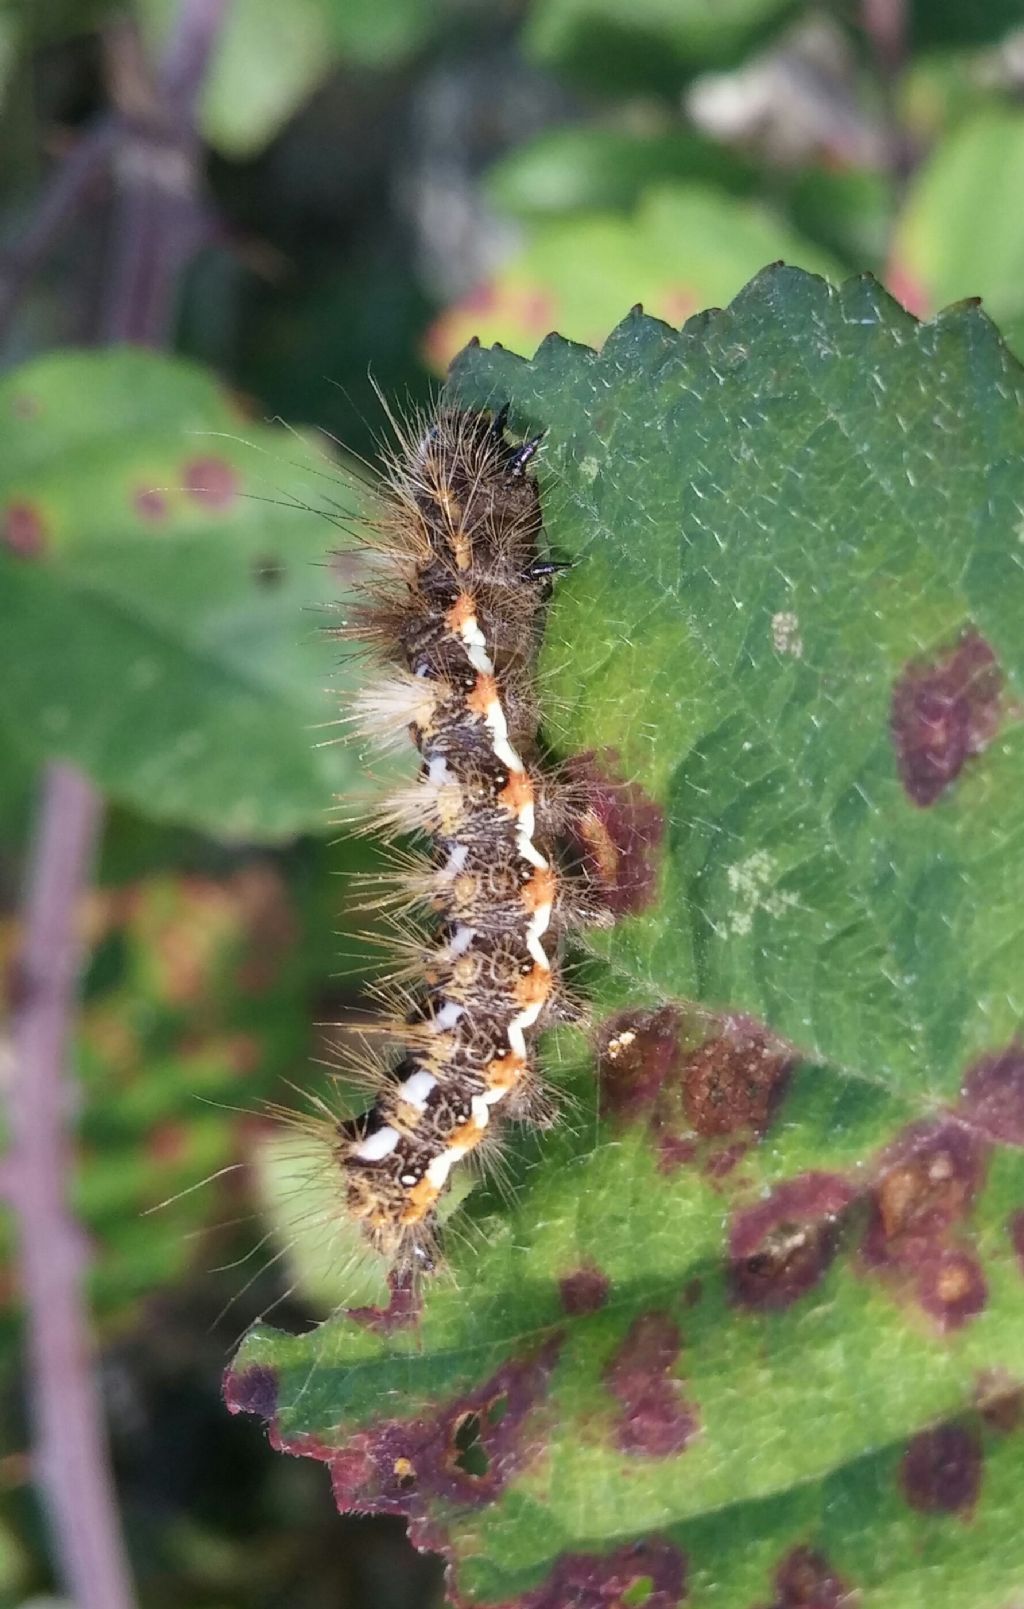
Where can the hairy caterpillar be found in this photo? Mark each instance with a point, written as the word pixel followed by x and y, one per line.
pixel 451 612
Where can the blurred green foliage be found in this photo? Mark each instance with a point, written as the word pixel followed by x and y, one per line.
pixel 385 178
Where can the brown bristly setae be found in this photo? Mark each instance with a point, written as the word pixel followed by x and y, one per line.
pixel 451 611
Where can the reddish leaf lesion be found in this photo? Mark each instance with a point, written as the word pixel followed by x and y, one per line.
pixel 945 710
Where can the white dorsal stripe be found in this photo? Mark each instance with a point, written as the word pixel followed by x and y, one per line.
pixel 439 1169
pixel 461 940
pixel 378 1145
pixel 448 1016
pixel 417 1088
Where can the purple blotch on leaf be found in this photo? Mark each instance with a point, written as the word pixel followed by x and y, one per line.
pixel 405 1305
pixel 941 1470
pixel 782 1247
pixel 616 834
pixel 150 504
pixel 806 1580
pixel 636 1053
pixel 654 1418
pixel 951 1288
pixel 926 1183
pixel 927 1180
pixel 24 531
pixel 252 1390
pixel 610 1580
pixel 734 1081
pixel 584 1291
pixel 465 1453
pixel 944 711
pixel 992 1096
pixel 211 481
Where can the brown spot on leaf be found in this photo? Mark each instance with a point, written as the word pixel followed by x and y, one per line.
pixel 252 1390
pixel 927 1181
pixel 941 1470
pixel 636 1052
pixel 465 1453
pixel 150 504
pixel 617 833
pixel 721 1163
pixel 806 1580
pixel 584 1291
pixel 698 1081
pixel 951 1288
pixel 993 1095
pixel 734 1080
pixel 24 531
pixel 211 481
pixel 782 1247
pixel 928 1178
pixel 944 711
pixel 654 1418
pixel 613 1580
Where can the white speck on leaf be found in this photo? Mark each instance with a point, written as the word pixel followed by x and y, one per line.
pixel 786 634
pixel 750 880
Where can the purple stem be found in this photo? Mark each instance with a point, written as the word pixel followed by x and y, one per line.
pixel 886 26
pixel 162 219
pixel 69 1450
pixel 183 68
pixel 159 219
pixel 61 202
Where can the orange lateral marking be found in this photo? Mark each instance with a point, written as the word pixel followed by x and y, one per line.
pixel 462 609
pixel 505 1072
pixel 419 1201
pixel 541 888
pixel 534 988
pixel 484 694
pixel 517 792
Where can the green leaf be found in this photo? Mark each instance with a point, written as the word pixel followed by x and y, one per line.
pixel 647 44
pixel 750 1327
pixel 684 248
pixel 161 598
pixel 271 57
pixel 950 22
pixel 588 169
pixel 379 33
pixel 268 61
pixel 961 232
